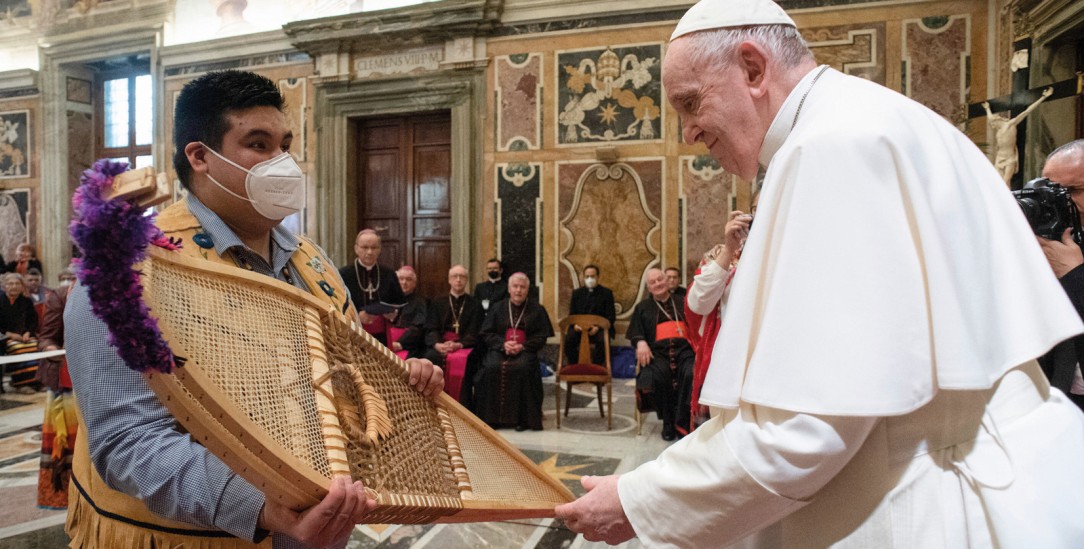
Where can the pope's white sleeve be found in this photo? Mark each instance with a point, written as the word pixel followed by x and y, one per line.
pixel 707 288
pixel 736 474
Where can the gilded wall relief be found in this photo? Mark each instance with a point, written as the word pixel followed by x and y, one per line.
pixel 708 194
pixel 518 199
pixel 610 94
pixel 15 144
pixel 295 93
pixel 519 102
pixel 936 63
pixel 608 215
pixel 14 220
pixel 857 50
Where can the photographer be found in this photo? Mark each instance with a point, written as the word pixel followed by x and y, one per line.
pixel 1065 166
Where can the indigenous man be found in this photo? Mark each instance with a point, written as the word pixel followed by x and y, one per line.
pixel 139 480
pixel 408 331
pixel 374 288
pixel 590 299
pixel 508 388
pixel 451 331
pixel 876 362
pixel 493 288
pixel 658 331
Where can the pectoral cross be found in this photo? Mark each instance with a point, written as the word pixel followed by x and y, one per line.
pixel 369 290
pixel 455 326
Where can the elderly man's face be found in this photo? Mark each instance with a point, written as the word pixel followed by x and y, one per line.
pixel 367 248
pixel 716 108
pixel 407 281
pixel 656 284
pixel 457 280
pixel 1067 170
pixel 517 290
pixel 13 287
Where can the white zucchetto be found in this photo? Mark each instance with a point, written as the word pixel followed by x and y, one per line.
pixel 716 14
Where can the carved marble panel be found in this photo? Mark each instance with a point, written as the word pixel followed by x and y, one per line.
pixel 295 93
pixel 14 220
pixel 857 50
pixel 609 215
pixel 80 146
pixel 611 94
pixel 15 132
pixel 708 191
pixel 518 197
pixel 936 63
pixel 519 102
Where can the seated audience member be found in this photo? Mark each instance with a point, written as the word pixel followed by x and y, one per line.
pixel 590 299
pixel 706 301
pixel 407 333
pixel 19 323
pixel 66 278
pixel 658 332
pixel 494 288
pixel 35 290
pixel 673 282
pixel 61 424
pixel 27 259
pixel 451 331
pixel 1065 166
pixel 374 288
pixel 508 387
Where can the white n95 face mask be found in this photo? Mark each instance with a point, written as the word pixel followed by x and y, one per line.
pixel 275 187
pixel 591 282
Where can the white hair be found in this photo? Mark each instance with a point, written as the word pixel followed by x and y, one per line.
pixel 716 47
pixel 1074 147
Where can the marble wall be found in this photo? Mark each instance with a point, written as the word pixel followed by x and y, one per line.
pixel 597 111
pixel 20 170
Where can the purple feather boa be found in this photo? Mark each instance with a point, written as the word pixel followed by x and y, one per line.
pixel 113 236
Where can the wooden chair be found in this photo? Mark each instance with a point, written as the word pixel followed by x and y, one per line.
pixel 584 371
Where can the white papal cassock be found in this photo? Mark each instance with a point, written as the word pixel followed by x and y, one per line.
pixel 876 361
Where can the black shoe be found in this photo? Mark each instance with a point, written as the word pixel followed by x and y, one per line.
pixel 668 432
pixel 521 427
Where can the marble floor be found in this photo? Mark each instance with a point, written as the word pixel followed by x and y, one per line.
pixel 582 446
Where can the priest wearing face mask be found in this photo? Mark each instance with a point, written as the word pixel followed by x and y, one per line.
pixel 590 299
pixel 494 288
pixel 374 288
pixel 139 479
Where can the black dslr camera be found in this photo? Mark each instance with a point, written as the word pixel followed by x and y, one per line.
pixel 1049 209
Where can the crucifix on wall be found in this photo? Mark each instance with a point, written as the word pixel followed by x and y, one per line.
pixel 1010 135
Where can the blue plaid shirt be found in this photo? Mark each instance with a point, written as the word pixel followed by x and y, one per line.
pixel 134 441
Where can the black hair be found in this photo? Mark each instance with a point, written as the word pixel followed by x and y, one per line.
pixel 592 266
pixel 675 269
pixel 200 114
pixel 497 261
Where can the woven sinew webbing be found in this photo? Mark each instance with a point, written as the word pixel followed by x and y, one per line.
pixel 251 344
pixel 289 394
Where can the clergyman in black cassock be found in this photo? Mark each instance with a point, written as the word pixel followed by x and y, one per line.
pixel 590 299
pixel 410 322
pixel 508 387
pixel 374 288
pixel 657 330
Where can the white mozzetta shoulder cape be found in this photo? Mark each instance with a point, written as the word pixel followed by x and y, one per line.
pixel 887 260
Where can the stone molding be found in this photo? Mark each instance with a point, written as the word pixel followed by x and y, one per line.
pixel 395 29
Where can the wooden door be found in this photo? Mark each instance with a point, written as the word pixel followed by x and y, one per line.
pixel 404 193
